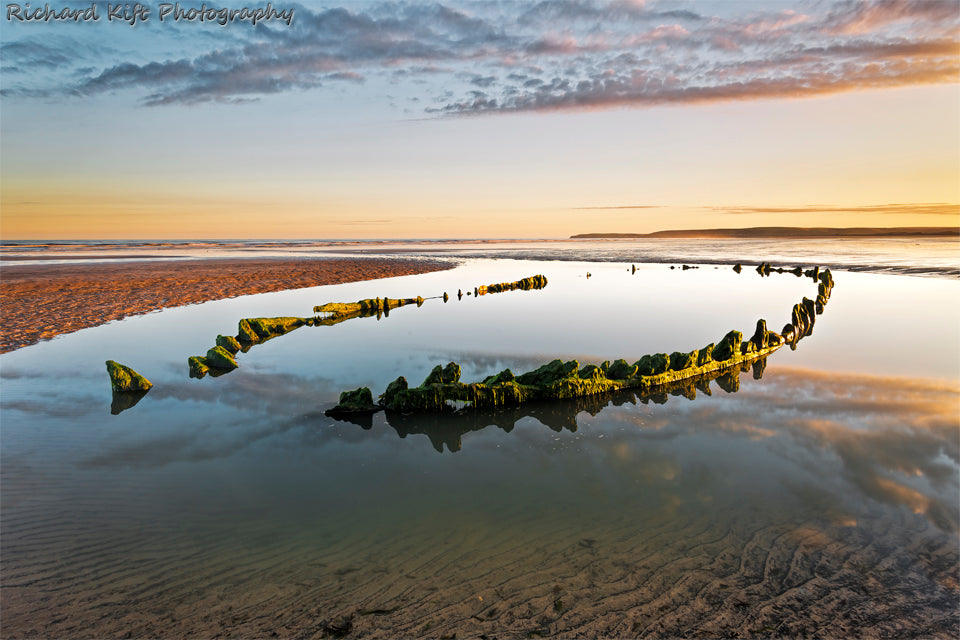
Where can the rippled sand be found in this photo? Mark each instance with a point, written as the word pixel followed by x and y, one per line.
pixel 536 577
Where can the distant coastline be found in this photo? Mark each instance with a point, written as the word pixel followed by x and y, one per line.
pixel 788 232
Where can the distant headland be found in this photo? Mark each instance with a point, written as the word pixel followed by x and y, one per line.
pixel 788 232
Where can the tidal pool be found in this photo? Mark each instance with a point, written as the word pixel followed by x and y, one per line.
pixel 820 499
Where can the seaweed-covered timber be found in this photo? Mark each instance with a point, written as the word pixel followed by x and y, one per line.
pixel 250 331
pixel 533 282
pixel 231 344
pixel 127 385
pixel 446 429
pixel 198 366
pixel 254 330
pixel 220 358
pixel 354 402
pixel 123 378
pixel 559 380
pixel 442 390
pixel 366 307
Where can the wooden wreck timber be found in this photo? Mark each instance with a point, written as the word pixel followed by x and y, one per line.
pixel 123 378
pixel 251 331
pixel 368 306
pixel 446 428
pixel 127 385
pixel 533 282
pixel 557 380
pixel 560 380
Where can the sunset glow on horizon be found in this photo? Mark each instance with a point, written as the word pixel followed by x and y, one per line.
pixel 483 120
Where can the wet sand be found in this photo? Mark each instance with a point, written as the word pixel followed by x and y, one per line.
pixel 40 301
pixel 692 577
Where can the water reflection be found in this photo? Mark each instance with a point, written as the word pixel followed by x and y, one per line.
pixel 660 515
pixel 123 400
pixel 448 428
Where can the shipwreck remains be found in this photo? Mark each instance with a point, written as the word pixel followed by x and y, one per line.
pixel 446 429
pixel 123 378
pixel 442 390
pixel 533 282
pixel 127 385
pixel 559 380
pixel 221 358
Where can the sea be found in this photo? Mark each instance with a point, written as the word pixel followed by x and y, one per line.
pixel 816 494
pixel 937 257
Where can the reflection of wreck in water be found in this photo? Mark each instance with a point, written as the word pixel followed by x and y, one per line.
pixel 448 428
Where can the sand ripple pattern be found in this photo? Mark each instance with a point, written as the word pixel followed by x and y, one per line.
pixel 543 574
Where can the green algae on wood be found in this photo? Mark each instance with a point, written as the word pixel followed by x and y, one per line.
pixel 266 328
pixel 533 282
pixel 653 364
pixel 198 366
pixel 445 429
pixel 127 385
pixel 620 370
pixel 123 378
pixel 371 305
pixel 559 380
pixel 443 375
pixel 220 358
pixel 356 401
pixel 245 333
pixel 229 343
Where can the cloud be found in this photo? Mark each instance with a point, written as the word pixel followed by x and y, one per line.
pixel 626 206
pixel 893 440
pixel 911 208
pixel 863 17
pixel 568 54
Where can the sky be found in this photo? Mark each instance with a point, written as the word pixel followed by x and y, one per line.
pixel 476 119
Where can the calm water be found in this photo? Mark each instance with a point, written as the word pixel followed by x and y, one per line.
pixel 935 257
pixel 821 499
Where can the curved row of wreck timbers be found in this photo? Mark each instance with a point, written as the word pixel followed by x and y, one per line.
pixel 443 392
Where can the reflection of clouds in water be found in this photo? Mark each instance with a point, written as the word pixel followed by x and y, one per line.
pixel 896 439
pixel 477 365
pixel 62 405
pixel 219 418
pixel 20 374
pixel 308 430
pixel 277 394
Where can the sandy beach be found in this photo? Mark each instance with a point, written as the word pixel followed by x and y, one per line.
pixel 40 301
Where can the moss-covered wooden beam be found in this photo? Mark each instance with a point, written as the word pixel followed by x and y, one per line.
pixel 221 358
pixel 446 429
pixel 127 385
pixel 559 380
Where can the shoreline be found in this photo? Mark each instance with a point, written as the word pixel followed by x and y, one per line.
pixel 41 301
